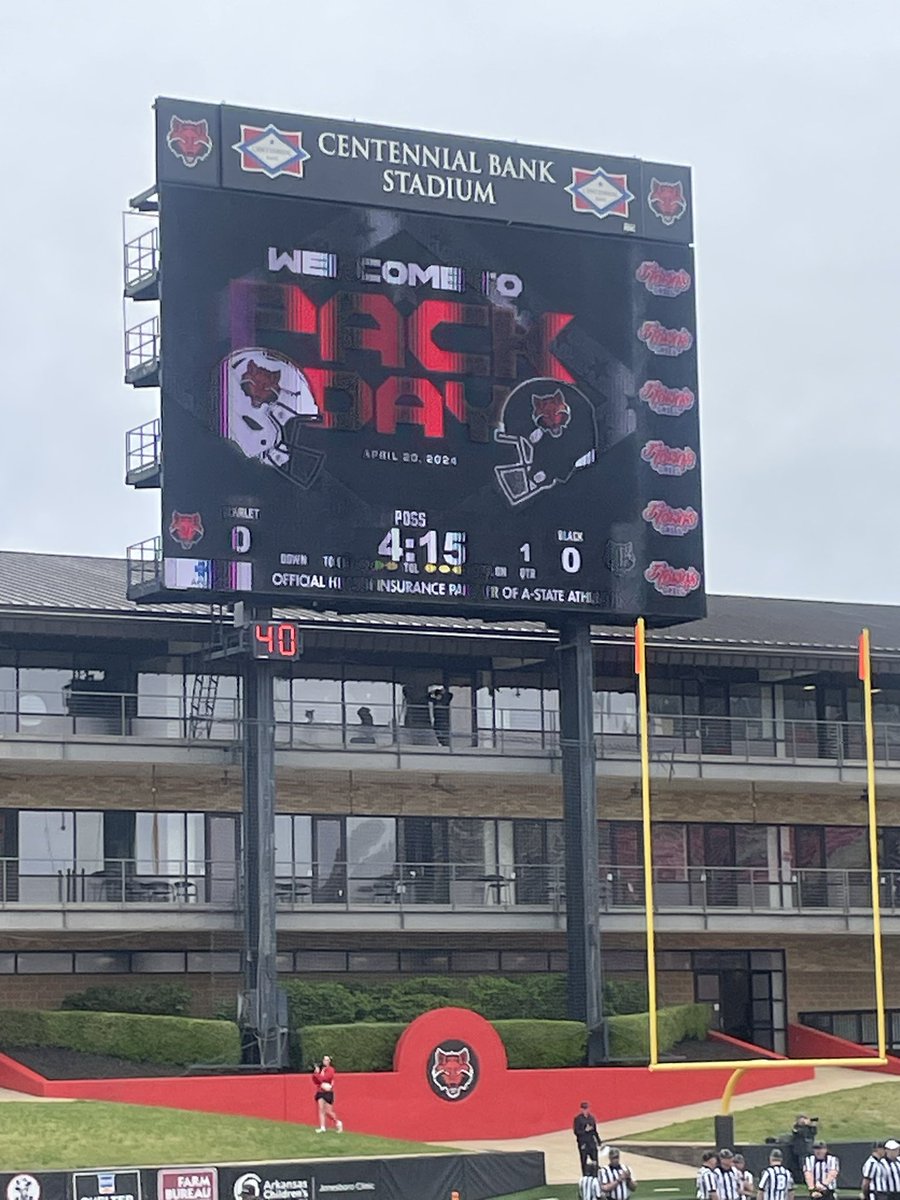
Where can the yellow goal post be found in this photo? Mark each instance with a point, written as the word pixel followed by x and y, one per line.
pixel 771 1064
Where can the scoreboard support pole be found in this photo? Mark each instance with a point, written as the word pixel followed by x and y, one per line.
pixel 579 779
pixel 262 1020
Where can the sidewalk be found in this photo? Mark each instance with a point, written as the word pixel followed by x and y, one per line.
pixel 562 1159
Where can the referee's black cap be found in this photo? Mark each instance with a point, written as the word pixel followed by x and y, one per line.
pixel 775 1156
pixel 723 1153
pixel 820 1145
pixel 879 1145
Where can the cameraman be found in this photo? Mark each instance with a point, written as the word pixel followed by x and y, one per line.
pixel 802 1139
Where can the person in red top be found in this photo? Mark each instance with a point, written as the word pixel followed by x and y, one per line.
pixel 323 1082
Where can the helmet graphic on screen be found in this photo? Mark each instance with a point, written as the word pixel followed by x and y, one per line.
pixel 264 401
pixel 553 430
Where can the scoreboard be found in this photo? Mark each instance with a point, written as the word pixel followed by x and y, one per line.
pixel 377 398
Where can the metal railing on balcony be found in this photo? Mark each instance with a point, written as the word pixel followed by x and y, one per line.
pixel 141 260
pixel 449 887
pixel 142 350
pixel 398 732
pixel 144 565
pixel 142 450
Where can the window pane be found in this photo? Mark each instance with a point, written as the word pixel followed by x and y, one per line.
pixel 226 961
pixel 846 847
pixel 670 852
pixel 751 845
pixel 116 962
pixel 89 849
pixel 372 858
pixel 384 960
pixel 41 963
pixel 475 960
pixel 523 960
pixel 46 842
pixel 320 960
pixel 158 961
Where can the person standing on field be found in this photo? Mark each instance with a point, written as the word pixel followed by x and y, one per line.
pixel 323 1082
pixel 776 1181
pixel 587 1138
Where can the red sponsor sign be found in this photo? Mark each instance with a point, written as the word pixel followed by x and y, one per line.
pixel 672 581
pixel 672 522
pixel 661 281
pixel 668 460
pixel 668 342
pixel 666 401
pixel 187 1183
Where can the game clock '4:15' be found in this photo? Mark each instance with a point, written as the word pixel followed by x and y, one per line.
pixel 428 547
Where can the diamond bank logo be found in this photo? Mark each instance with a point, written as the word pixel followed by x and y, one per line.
pixel 599 192
pixel 271 151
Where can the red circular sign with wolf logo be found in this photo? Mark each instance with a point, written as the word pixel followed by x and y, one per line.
pixel 452 1070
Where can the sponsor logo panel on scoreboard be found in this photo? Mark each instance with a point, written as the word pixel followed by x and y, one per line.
pixel 366 408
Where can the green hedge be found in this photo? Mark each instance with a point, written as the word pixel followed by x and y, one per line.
pixel 543 1043
pixel 158 1000
pixel 629 1036
pixel 176 1040
pixel 358 1047
pixel 495 997
pixel 369 1046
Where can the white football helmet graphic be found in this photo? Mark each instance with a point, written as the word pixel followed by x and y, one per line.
pixel 264 399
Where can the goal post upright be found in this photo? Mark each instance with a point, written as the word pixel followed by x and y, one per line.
pixel 772 1064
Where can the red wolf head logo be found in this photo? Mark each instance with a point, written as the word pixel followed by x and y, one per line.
pixel 186 529
pixel 551 414
pixel 667 201
pixel 189 140
pixel 452 1071
pixel 260 384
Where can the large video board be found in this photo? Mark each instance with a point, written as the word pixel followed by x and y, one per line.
pixel 485 407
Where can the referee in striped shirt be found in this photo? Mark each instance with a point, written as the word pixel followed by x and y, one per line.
pixel 589 1185
pixel 870 1166
pixel 776 1181
pixel 886 1177
pixel 616 1180
pixel 728 1183
pixel 821 1170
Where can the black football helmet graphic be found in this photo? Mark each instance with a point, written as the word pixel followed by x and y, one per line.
pixel 552 427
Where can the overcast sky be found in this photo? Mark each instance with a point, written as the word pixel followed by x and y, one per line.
pixel 787 111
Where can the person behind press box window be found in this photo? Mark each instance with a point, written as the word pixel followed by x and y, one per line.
pixel 776 1181
pixel 706 1174
pixel 886 1177
pixel 821 1170
pixel 616 1180
pixel 589 1184
pixel 323 1082
pixel 586 1137
pixel 869 1168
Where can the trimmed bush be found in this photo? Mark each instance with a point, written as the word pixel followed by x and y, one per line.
pixel 624 996
pixel 160 1000
pixel 360 1047
pixel 135 1036
pixel 495 997
pixel 543 1043
pixel 629 1036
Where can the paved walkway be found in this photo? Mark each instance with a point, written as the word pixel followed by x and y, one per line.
pixel 562 1159
pixel 7 1094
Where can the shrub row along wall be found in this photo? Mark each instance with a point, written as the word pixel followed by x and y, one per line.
pixel 369 1046
pixel 180 1041
pixel 495 997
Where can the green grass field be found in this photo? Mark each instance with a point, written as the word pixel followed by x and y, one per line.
pixel 659 1189
pixel 85 1133
pixel 858 1114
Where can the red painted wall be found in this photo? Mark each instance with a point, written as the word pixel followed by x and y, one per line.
pixel 804 1042
pixel 406 1103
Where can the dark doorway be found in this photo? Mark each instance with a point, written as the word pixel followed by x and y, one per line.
pixel 747 992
